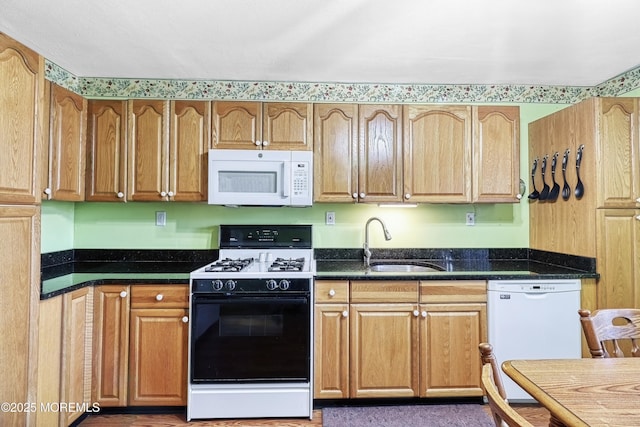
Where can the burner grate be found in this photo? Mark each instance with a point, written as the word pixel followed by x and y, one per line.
pixel 229 265
pixel 287 264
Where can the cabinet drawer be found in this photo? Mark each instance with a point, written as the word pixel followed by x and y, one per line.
pixel 453 291
pixel 332 291
pixel 159 296
pixel 384 291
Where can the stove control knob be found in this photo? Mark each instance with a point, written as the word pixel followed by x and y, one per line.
pixel 231 284
pixel 284 284
pixel 271 284
pixel 217 285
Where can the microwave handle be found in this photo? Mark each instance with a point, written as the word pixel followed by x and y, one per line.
pixel 286 179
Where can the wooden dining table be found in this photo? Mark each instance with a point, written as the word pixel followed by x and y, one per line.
pixel 582 392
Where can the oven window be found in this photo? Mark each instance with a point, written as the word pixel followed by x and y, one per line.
pixel 244 339
pixel 248 182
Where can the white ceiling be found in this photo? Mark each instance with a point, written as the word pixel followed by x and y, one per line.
pixel 536 42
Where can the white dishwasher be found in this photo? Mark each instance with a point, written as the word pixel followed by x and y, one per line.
pixel 533 319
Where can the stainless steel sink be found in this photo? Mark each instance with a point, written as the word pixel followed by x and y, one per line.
pixel 403 267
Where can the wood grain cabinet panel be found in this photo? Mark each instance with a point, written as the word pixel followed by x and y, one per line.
pixel 21 122
pixel 67 142
pixel 257 125
pixel 106 176
pixel 49 358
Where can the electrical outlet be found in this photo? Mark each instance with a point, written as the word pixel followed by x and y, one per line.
pixel 330 218
pixel 471 218
pixel 161 218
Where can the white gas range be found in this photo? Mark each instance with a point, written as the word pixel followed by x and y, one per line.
pixel 250 346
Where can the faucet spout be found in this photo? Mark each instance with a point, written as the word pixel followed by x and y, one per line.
pixel 387 236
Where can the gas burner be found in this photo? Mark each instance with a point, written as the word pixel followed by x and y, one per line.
pixel 229 265
pixel 290 264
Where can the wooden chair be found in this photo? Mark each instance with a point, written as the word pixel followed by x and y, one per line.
pixel 503 413
pixel 607 329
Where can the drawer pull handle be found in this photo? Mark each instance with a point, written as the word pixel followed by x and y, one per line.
pixel 185 319
pixel 123 294
pixel 332 293
pixel 159 297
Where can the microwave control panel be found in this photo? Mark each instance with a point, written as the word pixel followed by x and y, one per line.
pixel 301 173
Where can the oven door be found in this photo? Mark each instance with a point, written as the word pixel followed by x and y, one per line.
pixel 250 338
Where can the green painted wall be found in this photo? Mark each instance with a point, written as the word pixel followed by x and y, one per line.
pixel 194 225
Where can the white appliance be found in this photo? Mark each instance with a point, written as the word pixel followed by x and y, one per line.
pixel 533 319
pixel 260 177
pixel 250 346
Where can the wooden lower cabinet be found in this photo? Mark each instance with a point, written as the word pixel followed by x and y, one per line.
pixel 140 346
pixel 398 338
pixel 76 352
pixel 49 359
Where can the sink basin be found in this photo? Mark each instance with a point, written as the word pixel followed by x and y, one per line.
pixel 403 267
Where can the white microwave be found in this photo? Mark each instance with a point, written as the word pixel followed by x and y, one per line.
pixel 260 177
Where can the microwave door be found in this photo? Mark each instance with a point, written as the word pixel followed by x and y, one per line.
pixel 286 180
pixel 247 183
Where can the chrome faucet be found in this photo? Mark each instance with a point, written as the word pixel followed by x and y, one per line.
pixel 387 236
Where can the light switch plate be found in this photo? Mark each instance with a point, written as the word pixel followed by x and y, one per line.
pixel 330 218
pixel 161 218
pixel 471 218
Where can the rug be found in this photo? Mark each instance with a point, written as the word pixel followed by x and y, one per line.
pixel 453 415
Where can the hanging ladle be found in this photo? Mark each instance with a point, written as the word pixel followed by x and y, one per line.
pixel 566 189
pixel 555 190
pixel 544 194
pixel 579 191
pixel 535 193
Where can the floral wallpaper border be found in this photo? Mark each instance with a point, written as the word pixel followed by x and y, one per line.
pixel 93 87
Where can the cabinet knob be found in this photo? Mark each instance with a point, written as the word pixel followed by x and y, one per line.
pixel 265 143
pixel 185 319
pixel 407 196
pixel 638 200
pixel 332 293
pixel 170 194
pixel 163 194
pixel 120 194
pixel 638 217
pixel 159 297
pixel 123 294
pixel 355 195
pixel 416 313
pixel 47 191
pixel 345 313
pixel 258 143
pixel 424 313
pixel 518 196
pixel 362 195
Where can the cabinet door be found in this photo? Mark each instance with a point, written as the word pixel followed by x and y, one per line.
pixel 188 147
pixel 287 126
pixel 21 122
pixel 158 357
pixel 335 152
pixel 380 153
pixel 617 153
pixel 331 349
pixel 67 127
pixel 76 351
pixel 236 125
pixel 49 358
pixel 19 290
pixel 496 154
pixel 618 258
pixel 148 151
pixel 106 158
pixel 437 153
pixel 384 354
pixel 449 338
pixel 110 345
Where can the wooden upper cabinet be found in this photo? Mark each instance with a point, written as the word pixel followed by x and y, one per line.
pixel 256 125
pixel 189 143
pixel 21 122
pixel 335 152
pixel 148 150
pixel 106 151
pixel 617 153
pixel 496 154
pixel 437 153
pixel 67 138
pixel 380 153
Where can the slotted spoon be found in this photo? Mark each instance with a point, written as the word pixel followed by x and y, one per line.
pixel 566 188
